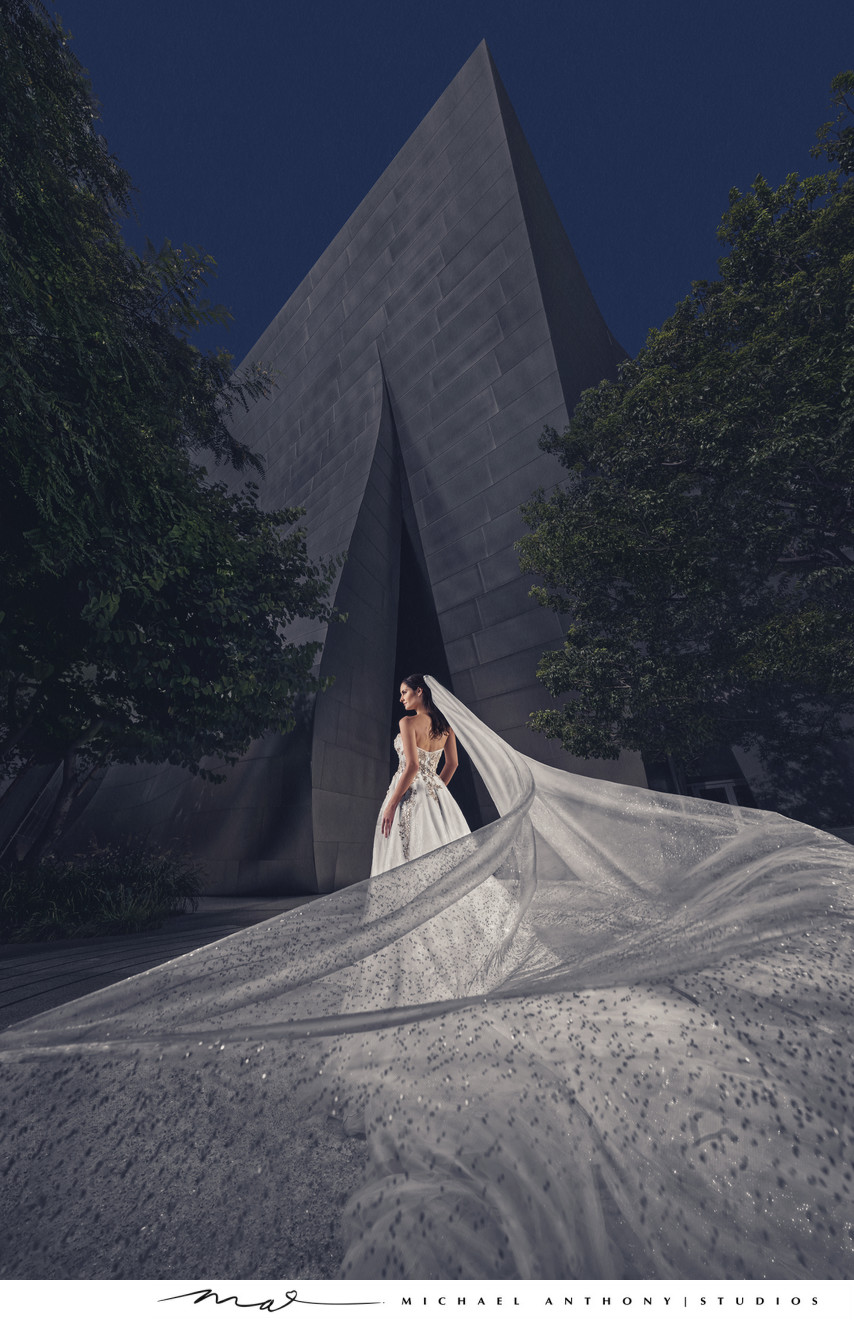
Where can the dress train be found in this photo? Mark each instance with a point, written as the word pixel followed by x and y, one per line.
pixel 607 1035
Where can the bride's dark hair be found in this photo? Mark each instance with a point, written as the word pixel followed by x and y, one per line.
pixel 438 723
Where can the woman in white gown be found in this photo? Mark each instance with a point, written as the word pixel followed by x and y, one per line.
pixel 464 949
pixel 606 1035
pixel 427 815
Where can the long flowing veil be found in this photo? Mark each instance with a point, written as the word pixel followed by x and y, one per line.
pixel 607 1035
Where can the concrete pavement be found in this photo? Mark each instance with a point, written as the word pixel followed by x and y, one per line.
pixel 35 977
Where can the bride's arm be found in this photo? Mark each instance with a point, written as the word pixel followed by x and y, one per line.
pixel 452 761
pixel 410 752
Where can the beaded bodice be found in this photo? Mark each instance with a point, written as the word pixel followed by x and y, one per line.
pixel 428 763
pixel 426 779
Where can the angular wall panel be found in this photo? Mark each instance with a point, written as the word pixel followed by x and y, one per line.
pixel 418 362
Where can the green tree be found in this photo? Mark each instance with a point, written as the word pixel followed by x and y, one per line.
pixel 143 606
pixel 702 546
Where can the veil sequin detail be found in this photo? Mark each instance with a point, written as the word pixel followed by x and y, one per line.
pixel 607 1035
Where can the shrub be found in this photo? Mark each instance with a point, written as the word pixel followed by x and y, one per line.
pixel 109 891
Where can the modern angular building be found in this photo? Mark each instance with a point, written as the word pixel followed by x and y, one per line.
pixel 418 362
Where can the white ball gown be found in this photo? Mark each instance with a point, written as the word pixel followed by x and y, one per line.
pixel 426 818
pixel 452 955
pixel 607 1035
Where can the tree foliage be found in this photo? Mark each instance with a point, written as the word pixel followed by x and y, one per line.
pixel 143 605
pixel 703 543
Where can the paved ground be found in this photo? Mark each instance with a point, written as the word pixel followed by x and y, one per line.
pixel 36 977
pixel 296 1234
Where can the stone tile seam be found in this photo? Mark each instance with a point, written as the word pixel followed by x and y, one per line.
pixel 335 539
pixel 380 306
pixel 358 410
pixel 284 347
pixel 433 491
pixel 507 650
pixel 536 388
pixel 469 564
pixel 301 450
pixel 454 350
pixel 303 491
pixel 409 419
pixel 481 559
pixel 327 486
pixel 292 411
pixel 485 394
pixel 441 185
pixel 482 460
pixel 488 260
pixel 507 692
pixel 330 546
pixel 485 77
pixel 485 366
pixel 307 389
pixel 378 539
pixel 469 367
pixel 490 596
pixel 516 508
pixel 501 278
pixel 420 476
pixel 424 383
pixel 377 307
pixel 475 569
pixel 450 124
pixel 486 626
pixel 472 512
pixel 464 96
pixel 399 369
pixel 453 166
pixel 322 342
pixel 337 533
pixel 316 499
pixel 388 348
pixel 409 169
pixel 508 249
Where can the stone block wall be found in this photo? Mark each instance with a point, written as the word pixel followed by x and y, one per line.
pixel 418 363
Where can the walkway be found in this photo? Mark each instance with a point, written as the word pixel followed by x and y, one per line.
pixel 36 977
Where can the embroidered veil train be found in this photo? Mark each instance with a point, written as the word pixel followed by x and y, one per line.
pixel 608 1034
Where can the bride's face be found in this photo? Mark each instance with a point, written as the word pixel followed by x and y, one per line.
pixel 410 698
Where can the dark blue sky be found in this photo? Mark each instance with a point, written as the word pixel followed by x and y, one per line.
pixel 253 128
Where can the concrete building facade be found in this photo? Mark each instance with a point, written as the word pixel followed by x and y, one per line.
pixel 418 363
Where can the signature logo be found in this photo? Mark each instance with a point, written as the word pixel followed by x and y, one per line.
pixel 263 1305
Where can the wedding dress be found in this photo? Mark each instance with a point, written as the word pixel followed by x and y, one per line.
pixel 461 951
pixel 607 1035
pixel 426 818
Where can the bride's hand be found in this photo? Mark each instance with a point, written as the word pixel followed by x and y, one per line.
pixel 388 818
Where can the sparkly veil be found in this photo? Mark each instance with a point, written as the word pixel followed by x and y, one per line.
pixel 608 1035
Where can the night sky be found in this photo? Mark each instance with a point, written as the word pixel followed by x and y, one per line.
pixel 253 128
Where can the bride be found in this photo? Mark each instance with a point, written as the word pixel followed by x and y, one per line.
pixel 462 951
pixel 607 1035
pixel 427 814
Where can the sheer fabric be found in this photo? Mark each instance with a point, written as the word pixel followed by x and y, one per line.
pixel 607 1035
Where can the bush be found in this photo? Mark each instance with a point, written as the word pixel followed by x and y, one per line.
pixel 109 891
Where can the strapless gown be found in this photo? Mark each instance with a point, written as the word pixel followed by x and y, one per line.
pixel 461 951
pixel 427 817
